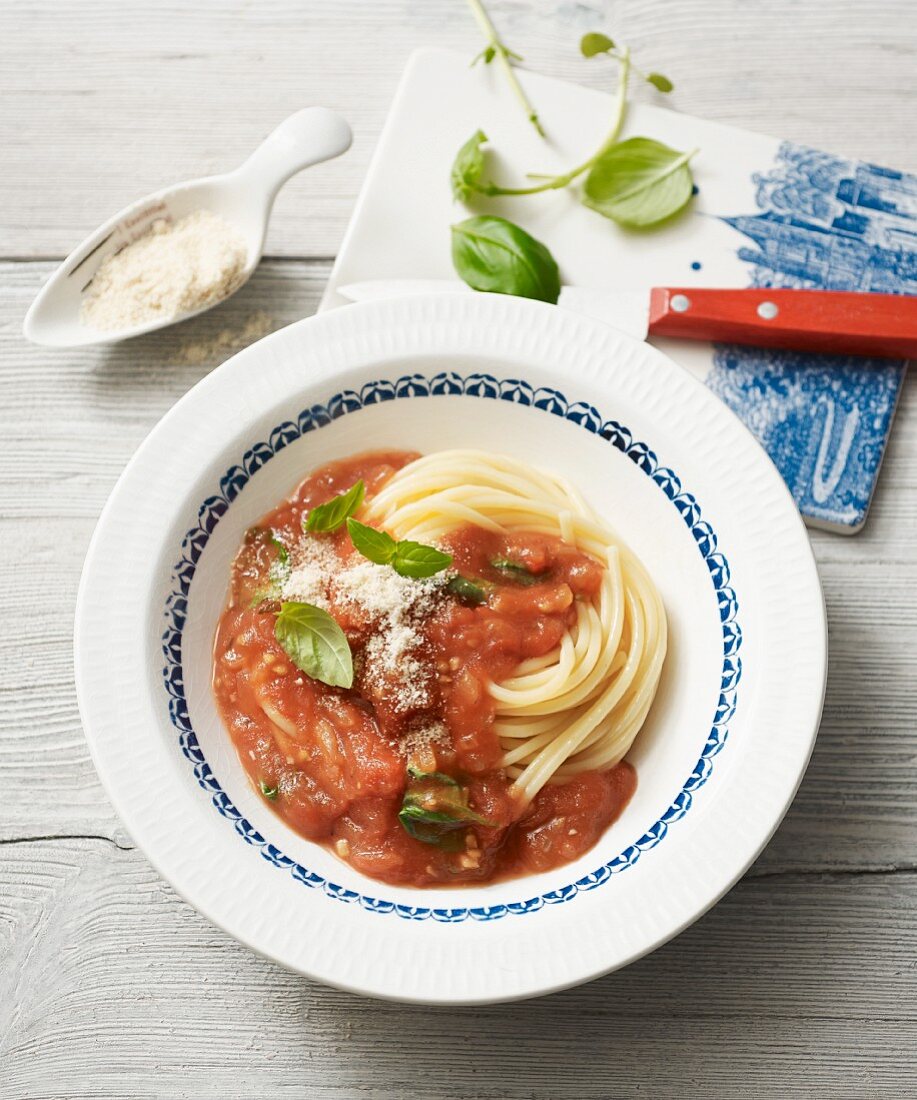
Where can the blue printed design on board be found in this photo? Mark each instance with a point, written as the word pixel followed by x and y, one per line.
pixel 829 224
pixel 824 425
pixel 475 385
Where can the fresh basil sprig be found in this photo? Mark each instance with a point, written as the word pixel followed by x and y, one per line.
pixel 315 643
pixel 410 559
pixel 330 516
pixel 664 185
pixel 496 48
pixel 594 43
pixel 492 254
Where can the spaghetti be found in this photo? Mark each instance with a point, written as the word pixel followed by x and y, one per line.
pixel 579 707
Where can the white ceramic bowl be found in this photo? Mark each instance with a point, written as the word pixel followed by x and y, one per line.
pixel 673 470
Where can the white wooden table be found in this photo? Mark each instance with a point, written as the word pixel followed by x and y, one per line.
pixel 802 981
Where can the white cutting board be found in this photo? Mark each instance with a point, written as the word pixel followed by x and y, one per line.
pixel 800 222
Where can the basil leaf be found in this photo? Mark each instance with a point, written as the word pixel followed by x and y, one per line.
pixel 595 43
pixel 468 167
pixel 330 516
pixel 515 572
pixel 378 546
pixel 639 182
pixel 492 254
pixel 660 82
pixel 431 827
pixel 269 792
pixel 315 643
pixel 467 591
pixel 434 808
pixel 413 559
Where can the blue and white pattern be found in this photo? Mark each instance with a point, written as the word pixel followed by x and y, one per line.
pixel 831 224
pixel 552 402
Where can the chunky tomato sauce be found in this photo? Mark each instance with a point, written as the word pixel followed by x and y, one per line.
pixel 339 765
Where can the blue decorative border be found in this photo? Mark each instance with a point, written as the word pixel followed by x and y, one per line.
pixel 449 384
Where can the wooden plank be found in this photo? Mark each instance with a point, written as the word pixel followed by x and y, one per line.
pixel 801 982
pixel 132 97
pixel 71 422
pixel 113 987
pixel 857 807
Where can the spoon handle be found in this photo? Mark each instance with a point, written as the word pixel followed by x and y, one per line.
pixel 308 137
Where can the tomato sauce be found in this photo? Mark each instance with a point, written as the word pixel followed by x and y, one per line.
pixel 334 763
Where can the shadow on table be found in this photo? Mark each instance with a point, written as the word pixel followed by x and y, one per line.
pixel 772 989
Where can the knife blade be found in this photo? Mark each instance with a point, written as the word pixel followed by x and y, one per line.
pixel 823 321
pixel 627 310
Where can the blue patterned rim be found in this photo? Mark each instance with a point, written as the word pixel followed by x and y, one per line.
pixel 449 384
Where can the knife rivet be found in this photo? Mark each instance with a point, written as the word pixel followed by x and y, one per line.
pixel 768 311
pixel 680 303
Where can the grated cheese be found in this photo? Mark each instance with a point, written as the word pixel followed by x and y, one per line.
pixel 171 270
pixel 312 564
pixel 219 346
pixel 395 609
pixel 380 591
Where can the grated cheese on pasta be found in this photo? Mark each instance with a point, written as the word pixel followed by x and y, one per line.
pixel 395 609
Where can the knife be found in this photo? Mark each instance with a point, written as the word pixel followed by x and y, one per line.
pixel 828 321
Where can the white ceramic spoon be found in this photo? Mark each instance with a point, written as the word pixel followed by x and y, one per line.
pixel 244 198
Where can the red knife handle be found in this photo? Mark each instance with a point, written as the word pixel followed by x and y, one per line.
pixel 836 322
